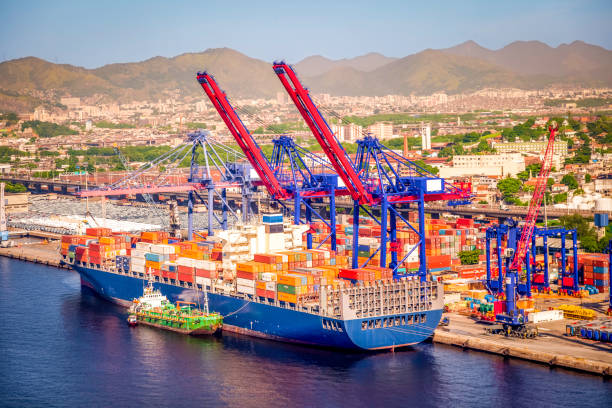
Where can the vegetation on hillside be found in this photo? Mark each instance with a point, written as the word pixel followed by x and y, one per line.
pixel 48 129
pixel 10 118
pixel 6 153
pixel 580 103
pixel 104 124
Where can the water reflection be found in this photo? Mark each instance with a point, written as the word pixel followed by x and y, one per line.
pixel 60 345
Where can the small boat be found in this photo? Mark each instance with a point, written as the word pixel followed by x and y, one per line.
pixel 154 309
pixel 132 320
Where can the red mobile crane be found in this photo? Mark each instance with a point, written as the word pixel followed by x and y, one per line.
pixel 513 320
pixel 536 201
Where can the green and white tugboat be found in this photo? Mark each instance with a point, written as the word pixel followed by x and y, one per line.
pixel 154 309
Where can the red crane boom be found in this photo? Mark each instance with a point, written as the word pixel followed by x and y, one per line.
pixel 536 202
pixel 243 137
pixel 322 132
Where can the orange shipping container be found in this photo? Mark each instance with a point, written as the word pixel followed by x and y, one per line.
pixel 287 297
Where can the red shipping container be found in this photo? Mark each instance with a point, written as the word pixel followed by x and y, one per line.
pixel 247 275
pixel 538 278
pixel 568 282
pixel 264 258
pixel 499 306
pixel 187 270
pixel 185 277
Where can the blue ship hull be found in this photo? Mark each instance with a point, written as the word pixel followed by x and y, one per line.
pixel 273 322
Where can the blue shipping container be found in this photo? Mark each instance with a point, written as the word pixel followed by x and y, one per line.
pixel 601 220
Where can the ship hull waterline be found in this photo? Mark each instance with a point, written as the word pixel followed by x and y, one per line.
pixel 268 321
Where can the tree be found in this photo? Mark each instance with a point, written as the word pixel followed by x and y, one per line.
pixel 14 187
pixel 560 198
pixel 469 257
pixel 587 178
pixel 509 187
pixel 570 181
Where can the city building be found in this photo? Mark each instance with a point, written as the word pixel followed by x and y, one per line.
pixel 485 165
pixel 426 136
pixel 560 147
pixel 347 133
pixel 381 130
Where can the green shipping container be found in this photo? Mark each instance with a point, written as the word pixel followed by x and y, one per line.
pixel 287 289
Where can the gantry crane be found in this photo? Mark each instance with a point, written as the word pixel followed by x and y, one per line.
pixel 293 173
pixel 147 197
pixel 378 177
pixel 231 174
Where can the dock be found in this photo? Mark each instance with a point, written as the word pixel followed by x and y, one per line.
pixel 552 348
pixel 40 253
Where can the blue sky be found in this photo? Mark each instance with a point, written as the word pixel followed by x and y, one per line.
pixel 93 33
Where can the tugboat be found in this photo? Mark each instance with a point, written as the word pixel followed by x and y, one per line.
pixel 154 309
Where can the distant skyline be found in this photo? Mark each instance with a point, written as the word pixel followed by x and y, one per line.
pixel 92 34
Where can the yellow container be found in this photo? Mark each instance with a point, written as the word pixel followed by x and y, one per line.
pixel 152 264
pixel 287 297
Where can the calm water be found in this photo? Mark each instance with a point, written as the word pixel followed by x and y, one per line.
pixel 61 346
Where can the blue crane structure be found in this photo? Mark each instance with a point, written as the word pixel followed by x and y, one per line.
pixel 610 277
pixel 215 155
pixel 378 177
pixel 536 277
pixel 292 173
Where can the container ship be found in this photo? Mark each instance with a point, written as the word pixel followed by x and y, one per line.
pixel 263 283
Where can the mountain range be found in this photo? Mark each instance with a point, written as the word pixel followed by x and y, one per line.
pixel 465 67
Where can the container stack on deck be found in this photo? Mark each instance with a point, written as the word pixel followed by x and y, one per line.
pixel 445 239
pixel 593 270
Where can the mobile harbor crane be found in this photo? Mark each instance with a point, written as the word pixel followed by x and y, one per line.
pixel 513 321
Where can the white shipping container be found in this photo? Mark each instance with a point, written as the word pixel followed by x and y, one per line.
pixel 545 316
pixel 122 252
pixel 268 276
pixel 209 265
pixel 137 268
pixel 245 289
pixel 145 246
pixel 203 281
pixel 137 261
pixel 271 286
pixel 245 282
pixel 162 249
pixel 199 264
pixel 185 262
pixel 138 253
pixel 452 298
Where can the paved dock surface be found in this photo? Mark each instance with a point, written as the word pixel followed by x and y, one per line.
pixel 37 252
pixel 552 347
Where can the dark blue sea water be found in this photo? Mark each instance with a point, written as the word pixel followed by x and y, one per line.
pixel 62 346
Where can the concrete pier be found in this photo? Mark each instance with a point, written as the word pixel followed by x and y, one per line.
pixel 551 348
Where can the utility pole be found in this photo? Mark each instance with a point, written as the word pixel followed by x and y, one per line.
pixel 2 210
